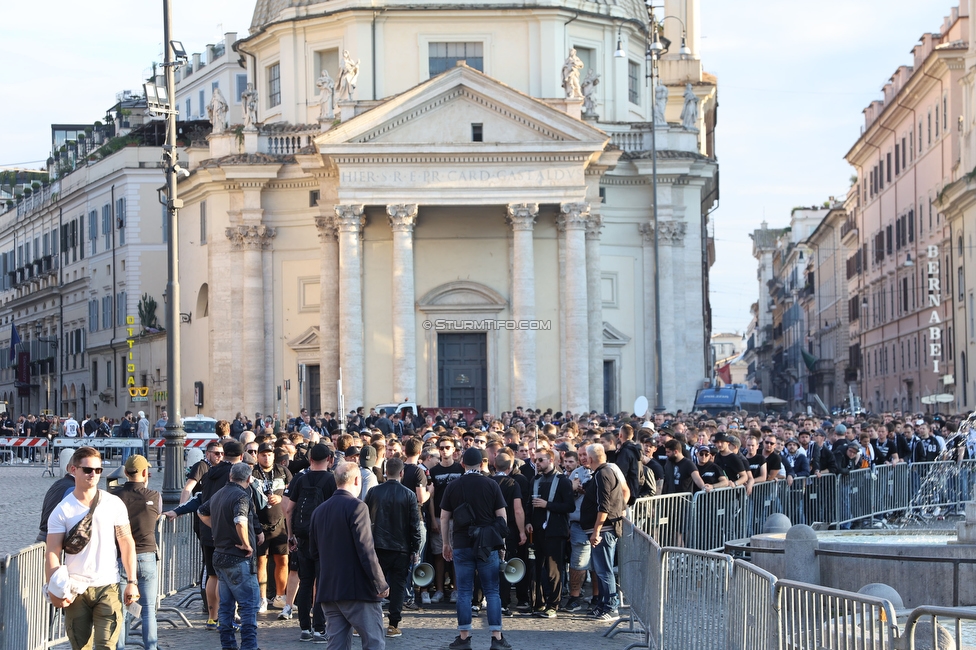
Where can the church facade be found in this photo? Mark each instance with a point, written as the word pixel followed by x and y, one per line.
pixel 448 206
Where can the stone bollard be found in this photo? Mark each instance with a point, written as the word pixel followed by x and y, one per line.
pixel 776 523
pixel 802 563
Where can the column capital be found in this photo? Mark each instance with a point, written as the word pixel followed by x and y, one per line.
pixel 250 237
pixel 573 216
pixel 328 230
pixel 593 226
pixel 350 218
pixel 403 216
pixel 522 216
pixel 670 232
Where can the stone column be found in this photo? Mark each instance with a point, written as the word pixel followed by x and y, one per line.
pixel 672 235
pixel 594 310
pixel 522 216
pixel 349 223
pixel 252 240
pixel 647 238
pixel 328 310
pixel 403 218
pixel 573 218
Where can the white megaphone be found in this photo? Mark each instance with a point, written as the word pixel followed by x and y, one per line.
pixel 423 574
pixel 514 570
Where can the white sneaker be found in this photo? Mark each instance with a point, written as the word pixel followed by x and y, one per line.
pixel 277 603
pixel 286 613
pixel 318 637
pixel 425 597
pixel 454 596
pixel 263 607
pixel 438 597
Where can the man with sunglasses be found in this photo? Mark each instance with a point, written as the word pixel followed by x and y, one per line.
pixel 441 475
pixel 96 610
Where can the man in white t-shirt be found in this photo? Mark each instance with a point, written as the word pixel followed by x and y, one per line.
pixel 95 567
pixel 71 427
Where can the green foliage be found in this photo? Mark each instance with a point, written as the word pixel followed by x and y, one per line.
pixel 147 312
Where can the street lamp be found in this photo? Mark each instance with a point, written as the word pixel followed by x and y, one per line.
pixel 160 100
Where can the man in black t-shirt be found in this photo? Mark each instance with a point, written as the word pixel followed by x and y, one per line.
pixel 732 463
pixel 515 513
pixel 680 474
pixel 441 475
pixel 773 460
pixel 416 480
pixel 271 481
pixel 482 500
pixel 709 470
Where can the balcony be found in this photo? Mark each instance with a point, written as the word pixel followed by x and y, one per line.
pixel 847 227
pixel 824 366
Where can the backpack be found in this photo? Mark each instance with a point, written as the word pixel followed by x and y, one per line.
pixel 313 496
pixel 647 483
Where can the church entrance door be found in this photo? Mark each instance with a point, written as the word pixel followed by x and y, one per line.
pixel 462 370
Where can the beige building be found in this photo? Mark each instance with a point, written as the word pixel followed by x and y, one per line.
pixel 457 231
pixel 902 281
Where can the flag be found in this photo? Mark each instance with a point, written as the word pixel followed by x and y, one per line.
pixel 14 340
pixel 725 373
pixel 809 360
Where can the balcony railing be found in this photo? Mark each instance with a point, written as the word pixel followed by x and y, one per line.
pixel 847 227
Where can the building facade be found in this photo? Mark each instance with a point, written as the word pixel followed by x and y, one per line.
pixel 454 229
pixel 902 289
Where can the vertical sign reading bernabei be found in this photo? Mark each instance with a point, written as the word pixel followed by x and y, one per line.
pixel 935 301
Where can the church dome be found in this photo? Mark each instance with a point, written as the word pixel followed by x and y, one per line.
pixel 268 11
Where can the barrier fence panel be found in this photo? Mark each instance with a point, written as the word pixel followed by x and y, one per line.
pixel 27 619
pixel 812 618
pixel 794 499
pixel 890 489
pixel 751 608
pixel 639 563
pixel 932 638
pixel 717 517
pixel 180 556
pixel 20 449
pixel 763 502
pixel 694 599
pixel 854 491
pixel 821 499
pixel 664 518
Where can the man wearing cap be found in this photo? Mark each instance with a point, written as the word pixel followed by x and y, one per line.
pixel 271 480
pixel 711 474
pixel 732 463
pixel 143 506
pixel 478 503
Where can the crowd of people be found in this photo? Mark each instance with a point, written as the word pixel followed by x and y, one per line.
pixel 323 521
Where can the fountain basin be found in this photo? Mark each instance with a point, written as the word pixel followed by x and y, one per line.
pixel 905 563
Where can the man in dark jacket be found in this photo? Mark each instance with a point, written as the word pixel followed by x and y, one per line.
pixel 552 501
pixel 629 461
pixel 350 583
pixel 396 535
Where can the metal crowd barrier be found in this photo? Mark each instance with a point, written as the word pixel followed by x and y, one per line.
pixel 813 617
pixel 180 555
pixel 751 612
pixel 717 517
pixel 937 640
pixel 28 621
pixel 639 564
pixel 664 518
pixel 763 502
pixel 694 599
pixel 17 449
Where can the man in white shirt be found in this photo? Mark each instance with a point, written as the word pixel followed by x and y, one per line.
pixel 142 431
pixel 95 567
pixel 71 427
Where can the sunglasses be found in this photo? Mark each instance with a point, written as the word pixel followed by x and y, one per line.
pixel 217 453
pixel 89 470
pixel 769 442
pixel 446 447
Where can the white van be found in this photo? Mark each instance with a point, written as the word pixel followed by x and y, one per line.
pixel 200 427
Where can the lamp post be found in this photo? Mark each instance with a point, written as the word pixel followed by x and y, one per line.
pixel 161 99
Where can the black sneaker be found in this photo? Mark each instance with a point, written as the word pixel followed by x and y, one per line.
pixel 460 644
pixel 523 607
pixel 594 603
pixel 500 644
pixel 574 604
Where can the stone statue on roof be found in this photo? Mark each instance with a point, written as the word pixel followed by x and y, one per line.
pixel 249 98
pixel 588 86
pixel 571 76
pixel 348 74
pixel 217 110
pixel 660 104
pixel 326 86
pixel 689 112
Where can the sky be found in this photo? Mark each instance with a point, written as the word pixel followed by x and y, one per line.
pixel 793 79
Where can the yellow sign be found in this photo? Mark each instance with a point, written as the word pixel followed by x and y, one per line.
pixel 130 367
pixel 140 391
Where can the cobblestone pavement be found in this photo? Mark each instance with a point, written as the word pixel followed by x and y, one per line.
pixel 430 629
pixel 22 490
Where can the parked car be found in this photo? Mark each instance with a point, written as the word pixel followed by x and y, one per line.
pixel 200 427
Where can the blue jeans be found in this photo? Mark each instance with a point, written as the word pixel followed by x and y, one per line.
pixel 148 589
pixel 465 564
pixel 409 588
pixel 238 586
pixel 602 559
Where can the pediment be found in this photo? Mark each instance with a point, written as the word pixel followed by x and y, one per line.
pixel 441 111
pixel 461 296
pixel 614 338
pixel 309 339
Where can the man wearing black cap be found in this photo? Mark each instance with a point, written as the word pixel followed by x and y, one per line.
pixel 271 480
pixel 305 493
pixel 474 501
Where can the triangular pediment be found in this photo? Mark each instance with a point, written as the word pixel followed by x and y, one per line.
pixel 306 340
pixel 442 110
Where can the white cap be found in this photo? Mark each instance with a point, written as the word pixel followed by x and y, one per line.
pixel 142 414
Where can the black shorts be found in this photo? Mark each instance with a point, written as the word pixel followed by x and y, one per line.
pixel 275 541
pixel 208 552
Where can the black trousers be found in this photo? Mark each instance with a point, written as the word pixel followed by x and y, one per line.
pixel 396 570
pixel 550 561
pixel 309 618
